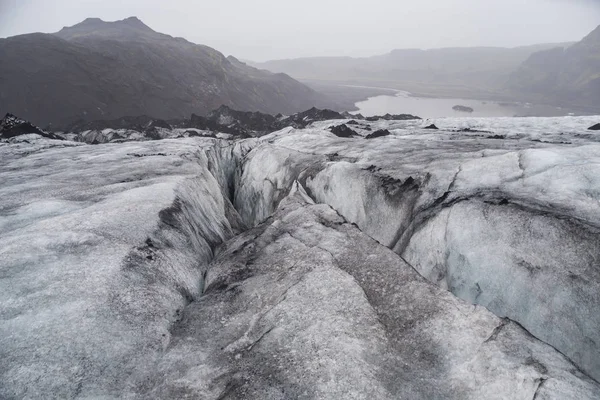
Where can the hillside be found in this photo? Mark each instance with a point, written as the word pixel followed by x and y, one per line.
pixel 103 70
pixel 450 71
pixel 562 75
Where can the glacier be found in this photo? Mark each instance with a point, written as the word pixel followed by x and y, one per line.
pixel 460 263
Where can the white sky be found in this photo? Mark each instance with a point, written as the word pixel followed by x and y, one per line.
pixel 271 29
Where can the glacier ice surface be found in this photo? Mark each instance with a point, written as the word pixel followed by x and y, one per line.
pixel 206 268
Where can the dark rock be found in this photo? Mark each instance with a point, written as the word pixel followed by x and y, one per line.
pixel 346 114
pixel 393 117
pixel 198 121
pixel 250 121
pixel 159 123
pixel 204 123
pixel 595 127
pixel 305 118
pixel 379 133
pixel 359 125
pixel 343 131
pixel 141 123
pixel 463 109
pixel 241 123
pixel 432 126
pixel 467 130
pixel 12 126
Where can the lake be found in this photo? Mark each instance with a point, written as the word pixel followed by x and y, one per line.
pixel 425 107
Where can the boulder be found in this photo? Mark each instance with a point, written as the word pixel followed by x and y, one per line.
pixel 595 127
pixel 343 131
pixel 379 133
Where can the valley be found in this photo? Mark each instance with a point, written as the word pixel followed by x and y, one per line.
pixel 399 201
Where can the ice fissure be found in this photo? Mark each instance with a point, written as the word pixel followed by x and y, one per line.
pixel 514 271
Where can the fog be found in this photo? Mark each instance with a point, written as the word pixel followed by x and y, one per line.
pixel 272 29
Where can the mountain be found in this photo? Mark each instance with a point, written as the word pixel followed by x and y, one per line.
pixel 105 70
pixel 448 71
pixel 561 74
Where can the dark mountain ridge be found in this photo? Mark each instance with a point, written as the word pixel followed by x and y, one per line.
pixel 104 70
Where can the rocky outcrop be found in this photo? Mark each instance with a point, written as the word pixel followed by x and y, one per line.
pixel 222 122
pixel 141 123
pixel 250 121
pixel 393 117
pixel 378 133
pixel 432 126
pixel 463 109
pixel 343 131
pixel 204 123
pixel 12 126
pixel 594 127
pixel 358 116
pixel 303 119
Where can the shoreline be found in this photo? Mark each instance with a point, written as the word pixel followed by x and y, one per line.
pixel 356 92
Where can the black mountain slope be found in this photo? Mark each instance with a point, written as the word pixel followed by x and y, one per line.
pixel 105 70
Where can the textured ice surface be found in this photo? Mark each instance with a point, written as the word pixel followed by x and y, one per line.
pixel 102 247
pixel 114 282
pixel 307 306
pixel 511 223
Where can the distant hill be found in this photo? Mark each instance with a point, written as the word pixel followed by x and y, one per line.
pixel 105 70
pixel 449 71
pixel 562 75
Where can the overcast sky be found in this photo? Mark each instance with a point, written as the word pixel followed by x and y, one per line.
pixel 271 29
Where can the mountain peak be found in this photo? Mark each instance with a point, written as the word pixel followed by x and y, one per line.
pixel 128 28
pixel 134 22
pixel 91 21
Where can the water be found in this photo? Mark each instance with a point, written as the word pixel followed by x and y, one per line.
pixel 426 107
